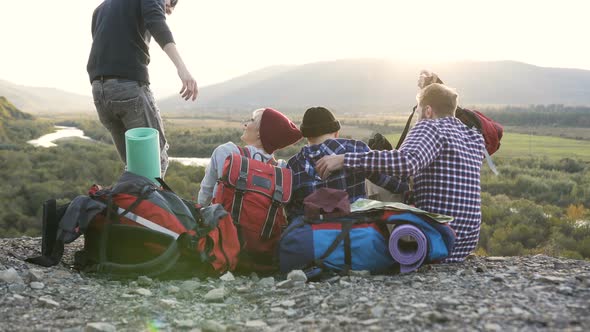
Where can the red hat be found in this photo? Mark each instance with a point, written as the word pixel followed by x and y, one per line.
pixel 277 131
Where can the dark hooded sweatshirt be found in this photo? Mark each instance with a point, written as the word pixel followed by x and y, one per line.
pixel 121 32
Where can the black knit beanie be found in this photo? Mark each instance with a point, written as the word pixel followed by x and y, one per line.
pixel 318 121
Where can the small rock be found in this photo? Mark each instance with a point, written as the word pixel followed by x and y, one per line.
pixel 170 303
pixel 517 311
pixel 288 303
pixel 256 324
pixel 10 276
pixel 48 301
pixel 435 317
pixel 267 282
pixel 407 318
pixel 16 288
pixel 18 297
pixel 35 275
pixel 299 284
pixel 550 279
pixel 185 323
pixel 143 292
pixel 498 278
pixel 172 289
pixel 297 275
pixel 189 286
pixel 254 277
pixel 100 327
pixel 565 290
pixel 363 299
pixel 492 327
pixel 481 269
pixel 496 259
pixel 144 281
pixel 212 326
pixel 419 305
pixel 290 312
pixel 73 329
pixel 361 273
pixel 227 277
pixel 37 285
pixel 332 279
pixel 370 321
pixel 243 289
pixel 285 284
pixel 215 295
pixel 447 300
pixel 378 311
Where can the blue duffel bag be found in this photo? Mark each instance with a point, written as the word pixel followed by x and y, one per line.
pixel 344 243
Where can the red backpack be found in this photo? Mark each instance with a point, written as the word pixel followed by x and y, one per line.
pixel 138 228
pixel 255 193
pixel 491 130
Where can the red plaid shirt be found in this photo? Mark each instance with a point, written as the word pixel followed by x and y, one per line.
pixel 444 156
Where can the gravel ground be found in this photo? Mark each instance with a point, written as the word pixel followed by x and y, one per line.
pixel 484 293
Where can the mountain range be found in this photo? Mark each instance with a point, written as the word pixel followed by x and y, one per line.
pixel 45 100
pixel 372 84
pixel 359 85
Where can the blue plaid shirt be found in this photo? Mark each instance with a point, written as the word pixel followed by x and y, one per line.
pixel 306 180
pixel 444 157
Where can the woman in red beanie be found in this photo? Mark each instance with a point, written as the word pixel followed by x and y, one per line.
pixel 268 130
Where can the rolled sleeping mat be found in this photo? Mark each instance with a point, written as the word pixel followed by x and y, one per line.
pixel 143 152
pixel 408 246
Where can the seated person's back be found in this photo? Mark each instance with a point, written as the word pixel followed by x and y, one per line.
pixel 268 130
pixel 321 129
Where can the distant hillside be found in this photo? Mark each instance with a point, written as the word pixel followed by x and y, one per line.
pixel 8 114
pixel 45 100
pixel 381 85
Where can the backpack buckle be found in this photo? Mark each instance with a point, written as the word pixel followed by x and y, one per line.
pixel 278 194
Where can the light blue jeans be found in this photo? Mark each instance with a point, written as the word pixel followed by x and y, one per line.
pixel 124 104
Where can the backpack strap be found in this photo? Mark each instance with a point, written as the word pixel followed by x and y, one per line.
pixel 145 192
pixel 343 236
pixel 490 162
pixel 244 151
pixel 277 198
pixel 164 185
pixel 240 190
pixel 157 266
pixel 406 129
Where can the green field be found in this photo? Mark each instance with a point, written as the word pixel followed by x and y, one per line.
pixel 523 145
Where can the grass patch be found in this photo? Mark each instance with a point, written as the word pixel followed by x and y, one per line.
pixel 516 145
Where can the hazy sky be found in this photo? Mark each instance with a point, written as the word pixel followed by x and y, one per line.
pixel 46 43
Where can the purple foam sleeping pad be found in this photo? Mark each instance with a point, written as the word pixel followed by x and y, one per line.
pixel 410 259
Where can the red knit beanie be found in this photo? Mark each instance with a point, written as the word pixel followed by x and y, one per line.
pixel 277 131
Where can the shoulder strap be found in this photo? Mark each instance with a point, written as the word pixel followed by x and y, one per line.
pixel 244 151
pixel 277 198
pixel 157 266
pixel 343 236
pixel 406 128
pixel 241 186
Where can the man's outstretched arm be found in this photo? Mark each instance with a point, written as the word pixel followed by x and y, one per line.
pixel 189 85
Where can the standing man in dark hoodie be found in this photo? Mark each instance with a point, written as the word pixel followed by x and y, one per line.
pixel 117 67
